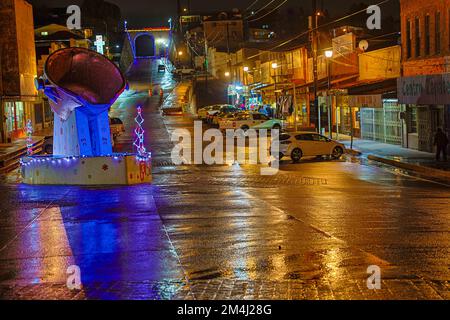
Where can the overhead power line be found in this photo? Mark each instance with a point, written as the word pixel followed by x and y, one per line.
pixel 317 28
pixel 260 9
pixel 254 2
pixel 274 9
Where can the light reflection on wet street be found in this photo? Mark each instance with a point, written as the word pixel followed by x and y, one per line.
pixel 211 232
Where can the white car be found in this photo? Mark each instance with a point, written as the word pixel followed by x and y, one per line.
pixel 184 72
pixel 308 144
pixel 202 113
pixel 247 120
pixel 212 115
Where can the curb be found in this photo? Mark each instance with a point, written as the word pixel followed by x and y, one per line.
pixel 353 152
pixel 423 171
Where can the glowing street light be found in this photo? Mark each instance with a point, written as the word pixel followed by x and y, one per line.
pixel 329 54
pixel 274 65
pixel 180 53
pixel 227 74
pixel 246 69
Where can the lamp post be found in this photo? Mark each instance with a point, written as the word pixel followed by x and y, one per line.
pixel 329 55
pixel 227 75
pixel 274 67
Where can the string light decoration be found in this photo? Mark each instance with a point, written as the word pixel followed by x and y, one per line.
pixel 29 138
pixel 139 133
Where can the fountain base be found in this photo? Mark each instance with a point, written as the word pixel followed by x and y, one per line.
pixel 115 169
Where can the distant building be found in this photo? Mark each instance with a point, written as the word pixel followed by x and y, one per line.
pixel 425 85
pixel 54 37
pixel 19 99
pixel 224 29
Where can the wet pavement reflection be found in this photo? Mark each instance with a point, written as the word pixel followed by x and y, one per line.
pixel 223 232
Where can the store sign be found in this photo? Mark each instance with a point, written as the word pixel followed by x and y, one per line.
pixel 366 101
pixel 424 90
pixel 99 43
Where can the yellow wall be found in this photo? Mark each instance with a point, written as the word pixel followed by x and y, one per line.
pixel 25 42
pixel 380 64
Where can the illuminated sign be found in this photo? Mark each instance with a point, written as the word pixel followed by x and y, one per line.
pixel 99 43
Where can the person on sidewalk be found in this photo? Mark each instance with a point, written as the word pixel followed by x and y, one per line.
pixel 441 142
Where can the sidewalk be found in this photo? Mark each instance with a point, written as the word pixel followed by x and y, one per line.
pixel 396 155
pixel 10 153
pixel 179 100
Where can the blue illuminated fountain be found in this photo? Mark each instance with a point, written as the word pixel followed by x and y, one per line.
pixel 81 86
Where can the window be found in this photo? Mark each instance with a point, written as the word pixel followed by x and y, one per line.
pixel 244 116
pixel 427 35
pixel 417 33
pixel 438 33
pixel 319 138
pixel 304 137
pixel 408 38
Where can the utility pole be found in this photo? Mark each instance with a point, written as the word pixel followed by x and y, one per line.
pixel 313 24
pixel 206 62
pixel 229 59
pixel 228 49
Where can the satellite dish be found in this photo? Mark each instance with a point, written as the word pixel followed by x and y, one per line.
pixel 363 45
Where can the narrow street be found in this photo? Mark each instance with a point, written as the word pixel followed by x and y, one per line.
pixel 225 232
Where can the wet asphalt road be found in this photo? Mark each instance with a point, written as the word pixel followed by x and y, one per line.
pixel 223 232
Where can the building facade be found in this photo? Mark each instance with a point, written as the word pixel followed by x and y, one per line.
pixel 424 86
pixel 19 100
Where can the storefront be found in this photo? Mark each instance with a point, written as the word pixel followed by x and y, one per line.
pixel 382 124
pixel 15 113
pixel 348 116
pixel 426 102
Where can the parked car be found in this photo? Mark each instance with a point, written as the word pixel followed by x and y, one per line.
pixel 247 120
pixel 203 112
pixel 306 144
pixel 184 72
pixel 225 108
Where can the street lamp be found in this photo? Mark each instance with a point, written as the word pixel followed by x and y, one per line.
pixel 180 53
pixel 329 55
pixel 227 74
pixel 274 65
pixel 246 69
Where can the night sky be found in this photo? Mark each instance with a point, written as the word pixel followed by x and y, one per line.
pixel 156 12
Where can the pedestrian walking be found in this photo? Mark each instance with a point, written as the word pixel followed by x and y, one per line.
pixel 441 143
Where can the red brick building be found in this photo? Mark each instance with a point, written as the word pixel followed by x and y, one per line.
pixel 425 85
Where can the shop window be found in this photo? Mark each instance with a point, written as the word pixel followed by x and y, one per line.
pixel 9 116
pixel 15 119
